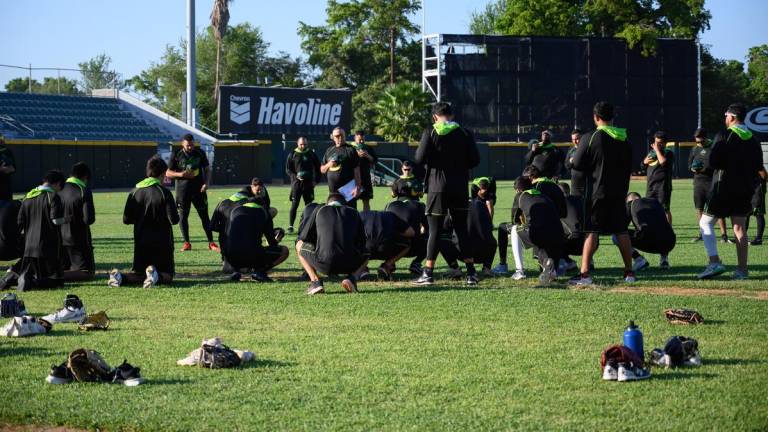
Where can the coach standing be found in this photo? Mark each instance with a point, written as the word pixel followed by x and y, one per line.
pixel 448 152
pixel 577 177
pixel 341 164
pixel 736 158
pixel 191 170
pixel 605 157
pixel 303 167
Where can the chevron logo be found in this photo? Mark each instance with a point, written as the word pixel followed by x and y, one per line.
pixel 240 110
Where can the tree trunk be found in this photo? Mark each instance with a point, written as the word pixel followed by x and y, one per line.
pixel 392 55
pixel 218 61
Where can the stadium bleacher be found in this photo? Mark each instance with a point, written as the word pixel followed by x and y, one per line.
pixel 75 117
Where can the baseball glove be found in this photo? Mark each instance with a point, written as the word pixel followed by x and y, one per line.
pixel 217 357
pixel 683 316
pixel 88 366
pixel 97 321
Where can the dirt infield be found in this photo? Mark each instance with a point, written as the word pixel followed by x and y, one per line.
pixel 694 292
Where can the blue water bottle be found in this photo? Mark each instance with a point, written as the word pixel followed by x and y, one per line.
pixel 633 339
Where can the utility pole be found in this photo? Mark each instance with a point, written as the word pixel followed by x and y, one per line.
pixel 392 55
pixel 191 71
pixel 29 83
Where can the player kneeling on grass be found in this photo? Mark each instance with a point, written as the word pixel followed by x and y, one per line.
pixel 247 225
pixel 151 210
pixel 387 238
pixel 332 241
pixel 80 214
pixel 653 232
pixel 539 227
pixel 573 228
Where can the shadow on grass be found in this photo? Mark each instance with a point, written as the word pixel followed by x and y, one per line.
pixel 168 381
pixel 732 362
pixel 6 351
pixel 675 375
pixel 267 363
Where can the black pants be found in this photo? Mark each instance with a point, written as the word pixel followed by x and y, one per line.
pixel 505 229
pixel 544 247
pixel 760 218
pixel 200 201
pixel 299 191
pixel 459 217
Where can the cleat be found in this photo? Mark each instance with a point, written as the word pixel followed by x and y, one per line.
pixel 582 279
pixel 664 263
pixel 501 270
pixel 629 276
pixel 212 247
pixel 235 277
pixel 187 246
pixel 127 375
pixel 424 279
pixel 712 270
pixel 756 242
pixel 471 280
pixel 315 287
pixel 640 263
pixel 740 274
pixel 73 311
pixel 59 375
pixel 261 277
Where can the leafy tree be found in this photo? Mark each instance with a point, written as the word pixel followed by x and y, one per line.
pixel 484 22
pixel 757 70
pixel 362 45
pixel 21 85
pixel 97 74
pixel 402 111
pixel 722 82
pixel 539 17
pixel 50 85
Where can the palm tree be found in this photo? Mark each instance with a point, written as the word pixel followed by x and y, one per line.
pixel 402 111
pixel 219 22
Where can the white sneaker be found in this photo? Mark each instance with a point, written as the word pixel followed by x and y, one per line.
pixel 67 314
pixel 115 278
pixel 547 277
pixel 640 263
pixel 712 270
pixel 694 361
pixel 610 373
pixel 580 280
pixel 629 373
pixel 152 277
pixel 518 275
pixel 25 326
pixel 501 270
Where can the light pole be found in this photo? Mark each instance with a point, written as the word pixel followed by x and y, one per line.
pixel 191 71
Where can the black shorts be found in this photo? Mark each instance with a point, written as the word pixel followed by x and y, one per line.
pixel 700 193
pixel 483 253
pixel 367 193
pixel 186 197
pixel 662 246
pixel 574 246
pixel 301 190
pixel 605 216
pixel 389 249
pixel 343 267
pixel 721 206
pixel 662 195
pixel 79 259
pixel 441 203
pixel 159 256
pixel 260 261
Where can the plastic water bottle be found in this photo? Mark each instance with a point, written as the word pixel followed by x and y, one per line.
pixel 633 339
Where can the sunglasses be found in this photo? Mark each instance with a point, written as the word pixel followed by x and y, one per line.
pixel 338 136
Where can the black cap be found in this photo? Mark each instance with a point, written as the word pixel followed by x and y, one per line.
pixel 700 133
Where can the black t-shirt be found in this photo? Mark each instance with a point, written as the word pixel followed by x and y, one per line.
pixel 10 240
pixel 407 187
pixel 578 181
pixel 79 213
pixel 347 160
pixel 537 213
pixel 380 228
pixel 606 163
pixel 35 219
pixel 304 164
pixel 195 161
pixel 152 212
pixel 573 222
pixel 479 224
pixel 659 176
pixel 411 211
pixel 548 159
pixel 448 158
pixel 698 163
pixel 248 224
pixel 306 215
pixel 222 212
pixel 365 165
pixel 737 161
pixel 6 160
pixel 551 190
pixel 337 233
pixel 650 220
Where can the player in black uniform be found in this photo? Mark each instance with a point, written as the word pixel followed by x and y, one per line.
pixel 39 219
pixel 303 168
pixel 578 182
pixel 408 208
pixel 341 164
pixel 220 219
pixel 659 163
pixel 448 152
pixel 758 208
pixel 7 168
pixel 484 189
pixel 546 157
pixel 605 158
pixel 151 210
pixel 332 241
pixel 538 225
pixel 698 163
pixel 368 159
pixel 387 238
pixel 736 157
pixel 407 186
pixel 480 227
pixel 573 229
pixel 652 234
pixel 248 224
pixel 80 214
pixel 191 171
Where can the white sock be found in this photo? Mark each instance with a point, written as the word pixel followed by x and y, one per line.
pixel 707 225
pixel 517 249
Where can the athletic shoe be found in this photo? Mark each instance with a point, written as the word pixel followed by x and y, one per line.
pixel 235 277
pixel 187 246
pixel 25 326
pixel 384 272
pixel 561 265
pixel 212 247
pixel 610 373
pixel 152 277
pixel 756 242
pixel 261 277
pixel 659 358
pixel 23 282
pixel 640 263
pixel 518 275
pixel 290 230
pixel 697 239
pixel 629 276
pixel 315 287
pixel 349 285
pixel 571 265
pixel 547 277
pixel 740 274
pixel 486 272
pixel 115 278
pixel 415 268
pixel 694 361
pixel 501 270
pixel 73 311
pixel 471 280
pixel 424 279
pixel 582 279
pixel 712 270
pixel 664 263
pixel 59 375
pixel 127 375
pixel 364 273
pixel 724 238
pixel 454 273
pixel 629 373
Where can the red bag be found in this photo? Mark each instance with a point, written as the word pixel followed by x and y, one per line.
pixel 620 354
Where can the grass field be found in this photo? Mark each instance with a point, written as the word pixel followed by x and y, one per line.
pixel 504 355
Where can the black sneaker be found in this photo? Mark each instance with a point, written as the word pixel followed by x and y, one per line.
pixel 756 242
pixel 472 280
pixel 384 273
pixel 261 277
pixel 315 287
pixel 349 284
pixel 289 230
pixel 73 302
pixel 724 239
pixel 415 268
pixel 59 375
pixel 127 375
pixel 424 279
pixel 235 277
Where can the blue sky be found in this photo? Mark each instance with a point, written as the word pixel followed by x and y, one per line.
pixel 62 33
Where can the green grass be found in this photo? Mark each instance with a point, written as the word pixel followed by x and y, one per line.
pixel 504 355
